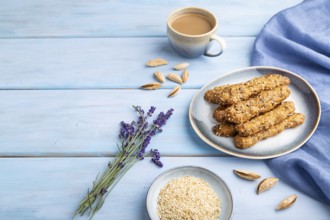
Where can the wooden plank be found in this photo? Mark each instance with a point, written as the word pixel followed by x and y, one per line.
pixel 51 188
pixel 106 63
pixel 62 18
pixel 86 122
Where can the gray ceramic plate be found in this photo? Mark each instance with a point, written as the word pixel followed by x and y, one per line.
pixel 303 95
pixel 213 180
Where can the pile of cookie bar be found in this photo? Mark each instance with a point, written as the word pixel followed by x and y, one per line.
pixel 254 110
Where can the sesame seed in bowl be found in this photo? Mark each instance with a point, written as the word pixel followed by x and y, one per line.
pixel 189 193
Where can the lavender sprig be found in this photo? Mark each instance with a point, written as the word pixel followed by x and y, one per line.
pixel 134 140
pixel 156 158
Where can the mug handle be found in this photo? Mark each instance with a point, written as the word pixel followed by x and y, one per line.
pixel 220 41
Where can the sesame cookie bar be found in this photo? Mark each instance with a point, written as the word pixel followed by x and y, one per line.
pixel 265 121
pixel 231 94
pixel 292 121
pixel 243 111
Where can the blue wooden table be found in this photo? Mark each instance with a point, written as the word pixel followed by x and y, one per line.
pixel 70 72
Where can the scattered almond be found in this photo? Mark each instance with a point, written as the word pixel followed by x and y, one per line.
pixel 248 175
pixel 159 76
pixel 151 86
pixel 174 77
pixel 181 66
pixel 185 75
pixel 287 202
pixel 175 91
pixel 266 184
pixel 157 62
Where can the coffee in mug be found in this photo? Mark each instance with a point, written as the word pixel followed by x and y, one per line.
pixel 190 30
pixel 191 24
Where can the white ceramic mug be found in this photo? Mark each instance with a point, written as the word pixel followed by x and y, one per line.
pixel 194 45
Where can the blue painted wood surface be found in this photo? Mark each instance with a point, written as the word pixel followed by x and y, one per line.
pixel 86 122
pixel 69 73
pixel 106 63
pixel 104 18
pixel 51 188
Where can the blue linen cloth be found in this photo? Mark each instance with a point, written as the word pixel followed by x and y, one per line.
pixel 298 39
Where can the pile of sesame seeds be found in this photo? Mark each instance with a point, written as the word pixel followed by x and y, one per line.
pixel 188 197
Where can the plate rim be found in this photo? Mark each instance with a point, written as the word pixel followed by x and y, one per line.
pixel 242 155
pixel 191 167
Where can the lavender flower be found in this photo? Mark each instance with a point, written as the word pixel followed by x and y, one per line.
pixel 103 191
pixel 151 111
pixel 144 145
pixel 121 165
pixel 162 118
pixel 156 157
pixel 135 137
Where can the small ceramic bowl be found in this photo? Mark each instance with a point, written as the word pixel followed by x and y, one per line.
pixel 218 185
